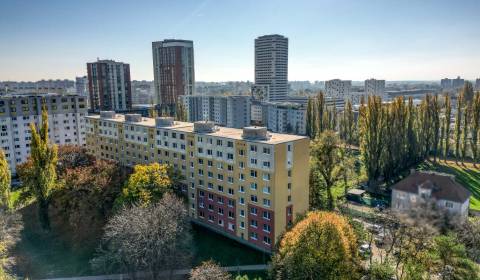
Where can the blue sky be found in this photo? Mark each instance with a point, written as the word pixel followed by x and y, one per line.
pixel 356 39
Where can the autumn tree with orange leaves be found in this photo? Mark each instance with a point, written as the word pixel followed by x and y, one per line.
pixel 321 246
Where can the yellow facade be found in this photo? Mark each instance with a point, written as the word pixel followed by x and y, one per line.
pixel 240 186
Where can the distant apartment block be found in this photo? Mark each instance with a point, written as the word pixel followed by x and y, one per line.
pixel 286 117
pixel 477 84
pixel 109 85
pixel 375 87
pixel 230 111
pixel 338 88
pixel 81 86
pixel 173 71
pixel 447 83
pixel 271 66
pixel 66 113
pixel 339 103
pixel 43 86
pixel 142 93
pixel 246 184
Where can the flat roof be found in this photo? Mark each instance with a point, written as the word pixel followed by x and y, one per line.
pixel 226 132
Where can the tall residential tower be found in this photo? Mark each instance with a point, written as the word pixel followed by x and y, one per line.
pixel 271 66
pixel 109 85
pixel 173 71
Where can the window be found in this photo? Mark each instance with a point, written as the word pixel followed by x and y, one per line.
pixel 253 148
pixel 253 235
pixel 220 188
pixel 266 228
pixel 266 215
pixel 242 201
pixel 253 173
pixel 267 240
pixel 266 189
pixel 219 154
pixel 242 189
pixel 230 144
pixel 253 211
pixel 253 161
pixel 230 191
pixel 230 156
pixel 266 150
pixel 448 204
pixel 253 198
pixel 266 202
pixel 219 142
pixel 253 223
pixel 242 213
pixel 266 164
pixel 253 186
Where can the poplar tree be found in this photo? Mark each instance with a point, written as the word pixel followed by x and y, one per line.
pixel 435 115
pixel 309 119
pixel 411 135
pixel 448 116
pixel 458 125
pixel 5 181
pixel 320 112
pixel 475 127
pixel 464 148
pixel 371 130
pixel 39 174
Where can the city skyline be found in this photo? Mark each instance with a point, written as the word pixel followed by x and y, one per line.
pixel 346 40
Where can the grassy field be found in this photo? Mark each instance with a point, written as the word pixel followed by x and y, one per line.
pixel 465 173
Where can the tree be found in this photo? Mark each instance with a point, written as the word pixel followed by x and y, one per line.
pixel 372 118
pixel 209 270
pixel 466 119
pixel 5 181
pixel 450 259
pixel 475 128
pixel 349 121
pixel 448 116
pixel 321 246
pixel 71 157
pixel 84 199
pixel 147 184
pixel 467 92
pixel 435 113
pixel 458 125
pixel 310 122
pixel 469 236
pixel 326 156
pixel 320 112
pixel 10 228
pixel 381 271
pixel 152 238
pixel 38 174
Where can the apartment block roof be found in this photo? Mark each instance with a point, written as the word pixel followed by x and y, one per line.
pixel 220 131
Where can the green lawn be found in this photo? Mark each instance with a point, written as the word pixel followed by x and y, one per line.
pixel 466 174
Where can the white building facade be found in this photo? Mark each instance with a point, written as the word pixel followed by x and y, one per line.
pixel 375 87
pixel 66 113
pixel 338 88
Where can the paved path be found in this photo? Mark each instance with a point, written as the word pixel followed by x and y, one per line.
pixel 177 273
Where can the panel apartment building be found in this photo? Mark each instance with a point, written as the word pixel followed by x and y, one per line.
pixel 246 184
pixel 109 86
pixel 230 111
pixel 66 113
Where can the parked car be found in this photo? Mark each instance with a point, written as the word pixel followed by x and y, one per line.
pixel 365 248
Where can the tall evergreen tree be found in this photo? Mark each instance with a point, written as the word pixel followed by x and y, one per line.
pixel 349 123
pixel 39 176
pixel 448 116
pixel 468 93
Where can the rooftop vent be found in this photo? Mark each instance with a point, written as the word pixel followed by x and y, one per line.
pixel 164 121
pixel 255 133
pixel 107 114
pixel 133 117
pixel 204 127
